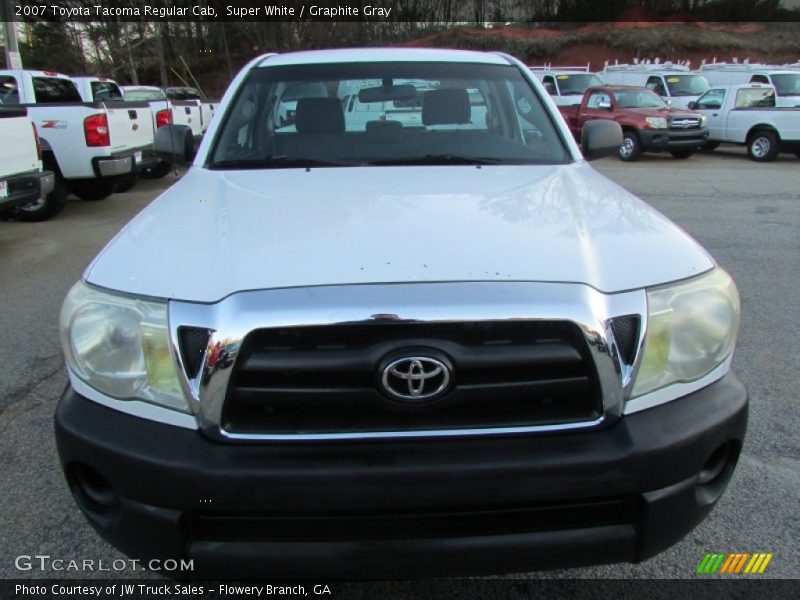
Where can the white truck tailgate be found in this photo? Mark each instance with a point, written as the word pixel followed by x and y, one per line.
pixel 187 112
pixel 18 150
pixel 130 125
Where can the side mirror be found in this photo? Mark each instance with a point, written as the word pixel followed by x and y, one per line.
pixel 174 144
pixel 692 105
pixel 599 138
pixel 669 102
pixel 604 105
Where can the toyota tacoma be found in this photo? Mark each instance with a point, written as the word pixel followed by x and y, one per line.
pixel 433 346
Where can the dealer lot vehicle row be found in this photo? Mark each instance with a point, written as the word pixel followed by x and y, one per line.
pixel 86 135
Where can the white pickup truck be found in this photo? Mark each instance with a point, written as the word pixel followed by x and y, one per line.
pixel 746 114
pixel 207 107
pixel 404 348
pixel 23 184
pixel 90 146
pixel 165 112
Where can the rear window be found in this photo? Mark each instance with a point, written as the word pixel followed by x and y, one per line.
pixel 52 90
pixel 183 94
pixel 9 93
pixel 755 98
pixel 144 95
pixel 105 90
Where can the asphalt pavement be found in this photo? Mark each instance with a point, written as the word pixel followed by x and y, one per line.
pixel 746 214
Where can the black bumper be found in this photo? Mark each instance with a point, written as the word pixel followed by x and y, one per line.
pixel 403 508
pixel 25 188
pixel 659 140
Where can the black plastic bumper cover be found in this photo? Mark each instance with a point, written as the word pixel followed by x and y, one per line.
pixel 405 508
pixel 656 140
pixel 25 188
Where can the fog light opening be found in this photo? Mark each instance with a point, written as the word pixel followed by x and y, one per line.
pixel 93 491
pixel 716 472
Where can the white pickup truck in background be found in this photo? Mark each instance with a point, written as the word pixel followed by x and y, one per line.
pixel 165 112
pixel 207 107
pixel 746 114
pixel 90 146
pixel 23 184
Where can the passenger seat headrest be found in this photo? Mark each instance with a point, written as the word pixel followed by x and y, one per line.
pixel 319 115
pixel 446 107
pixel 384 132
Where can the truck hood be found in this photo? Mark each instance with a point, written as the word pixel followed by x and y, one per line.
pixel 215 233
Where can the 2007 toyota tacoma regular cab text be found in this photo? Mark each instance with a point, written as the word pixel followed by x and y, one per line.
pixel 405 331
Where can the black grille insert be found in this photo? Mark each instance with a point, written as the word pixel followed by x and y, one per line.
pixel 327 379
pixel 193 341
pixel 412 525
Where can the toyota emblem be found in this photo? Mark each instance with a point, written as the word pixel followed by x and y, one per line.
pixel 415 378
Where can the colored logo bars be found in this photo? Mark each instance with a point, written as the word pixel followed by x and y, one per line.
pixel 735 562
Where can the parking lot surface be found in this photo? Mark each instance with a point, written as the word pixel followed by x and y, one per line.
pixel 746 214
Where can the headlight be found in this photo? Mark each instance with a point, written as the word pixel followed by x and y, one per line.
pixel 120 346
pixel 703 120
pixel 691 329
pixel 656 122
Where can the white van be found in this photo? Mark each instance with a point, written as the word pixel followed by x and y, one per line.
pixel 785 79
pixel 672 81
pixel 566 84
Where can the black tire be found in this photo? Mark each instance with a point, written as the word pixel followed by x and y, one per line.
pixel 157 172
pixel 709 146
pixel 47 207
pixel 762 146
pixel 682 153
pixel 631 148
pixel 127 183
pixel 92 189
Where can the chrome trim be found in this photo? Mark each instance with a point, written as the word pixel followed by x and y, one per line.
pixel 135 408
pixel 676 390
pixel 232 318
pixel 108 167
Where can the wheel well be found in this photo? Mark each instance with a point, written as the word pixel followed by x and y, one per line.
pixel 629 129
pixel 756 129
pixel 49 161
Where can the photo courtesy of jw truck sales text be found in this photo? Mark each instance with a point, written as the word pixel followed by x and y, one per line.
pixel 308 294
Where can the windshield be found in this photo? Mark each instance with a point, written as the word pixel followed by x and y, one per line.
pixel 787 84
pixel 639 98
pixel 577 83
pixel 686 85
pixel 386 113
pixel 144 95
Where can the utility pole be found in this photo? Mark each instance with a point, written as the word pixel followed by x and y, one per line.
pixel 13 58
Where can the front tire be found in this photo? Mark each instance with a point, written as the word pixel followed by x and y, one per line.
pixel 93 189
pixel 48 206
pixel 762 146
pixel 631 148
pixel 682 153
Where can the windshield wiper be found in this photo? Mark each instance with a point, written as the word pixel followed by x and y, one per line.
pixel 280 162
pixel 440 159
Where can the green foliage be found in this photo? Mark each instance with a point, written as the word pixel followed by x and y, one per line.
pixel 52 46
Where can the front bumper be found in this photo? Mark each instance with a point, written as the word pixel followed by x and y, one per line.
pixel 405 507
pixel 659 140
pixel 25 188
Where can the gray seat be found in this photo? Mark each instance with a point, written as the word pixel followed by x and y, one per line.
pixel 446 107
pixel 319 115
